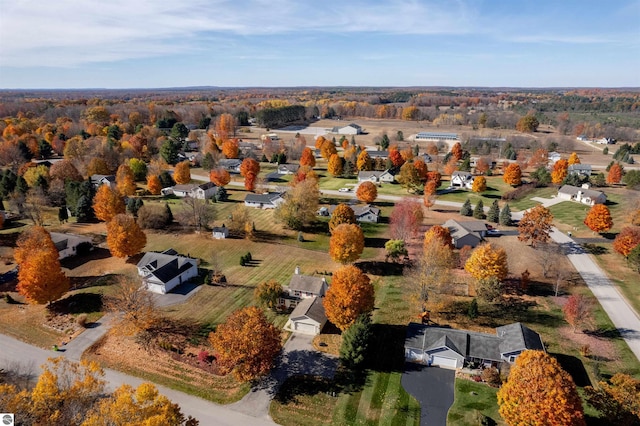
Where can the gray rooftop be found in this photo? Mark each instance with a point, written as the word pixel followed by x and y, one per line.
pixel 307 283
pixel 268 198
pixel 165 266
pixel 573 190
pixel 311 308
pixel 517 336
pixel 460 229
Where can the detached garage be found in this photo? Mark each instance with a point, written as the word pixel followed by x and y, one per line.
pixel 308 317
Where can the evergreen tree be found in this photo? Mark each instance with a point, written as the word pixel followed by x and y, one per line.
pixel 465 166
pixel 169 151
pixel 473 309
pixel 384 143
pixel 494 212
pixel 208 162
pixel 134 204
pixel 8 183
pixel 466 208
pixel 221 194
pixel 84 210
pixel 41 182
pixel 63 215
pixel 505 216
pixel 169 213
pixel 478 211
pixel 21 185
pixel 166 180
pixel 355 342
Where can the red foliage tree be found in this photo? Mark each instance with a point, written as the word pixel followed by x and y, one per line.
pixel 220 177
pixel 250 169
pixel 406 219
pixel 599 218
pixel 627 240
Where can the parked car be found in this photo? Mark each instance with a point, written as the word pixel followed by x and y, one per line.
pixel 344 190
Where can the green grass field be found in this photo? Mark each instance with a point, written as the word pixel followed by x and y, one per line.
pixel 471 401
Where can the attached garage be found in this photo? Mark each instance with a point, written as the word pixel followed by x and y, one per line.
pixel 440 361
pixel 308 317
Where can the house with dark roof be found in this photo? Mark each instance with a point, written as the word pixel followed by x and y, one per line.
pixel 288 169
pixel 270 200
pixel 305 293
pixel 162 272
pixel 450 348
pixel 363 213
pixel 308 317
pixel 461 179
pixel 583 170
pixel 378 154
pixel 70 244
pixel 466 233
pixel 375 176
pixel 231 165
pixel 202 191
pixel 220 232
pixel 582 195
pixel 98 180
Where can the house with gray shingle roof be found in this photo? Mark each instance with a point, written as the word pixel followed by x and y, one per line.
pixel 466 233
pixel 376 176
pixel 450 348
pixel 582 195
pixel 270 200
pixel 162 272
pixel 308 291
pixel 70 244
pixel 308 317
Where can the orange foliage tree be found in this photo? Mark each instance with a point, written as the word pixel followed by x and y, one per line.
pixel 539 391
pixel 342 214
pixel 559 172
pixel 40 278
pixel 395 156
pixel 429 198
pixel 618 400
pixel 107 203
pixel 124 236
pixel 307 158
pixel 125 181
pixel 182 173
pixel 346 243
pixel 599 218
pixel 367 192
pixel 422 169
pixel 231 148
pixel 482 165
pixel 97 166
pixel 513 174
pixel 225 126
pixel 479 184
pixel 364 161
pixel 627 240
pixel 573 159
pixel 435 177
pixel 327 149
pixel 440 234
pixel 65 170
pixel 350 295
pixel 335 165
pixel 539 158
pixel 220 177
pixel 487 261
pixel 451 166
pixel 535 225
pixel 615 174
pixel 456 151
pixel 249 169
pixel 577 311
pixel 246 344
pixel 153 184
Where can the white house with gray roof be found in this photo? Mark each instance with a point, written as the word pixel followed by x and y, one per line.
pixel 376 176
pixel 308 317
pixel 305 293
pixel 162 272
pixel 466 233
pixel 582 195
pixel 450 348
pixel 202 191
pixel 70 244
pixel 270 200
pixel 461 179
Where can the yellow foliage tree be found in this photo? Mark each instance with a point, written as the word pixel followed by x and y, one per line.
pixel 124 236
pixel 599 218
pixel 107 203
pixel 487 261
pixel 335 165
pixel 350 295
pixel 367 192
pixel 346 243
pixel 40 278
pixel 125 181
pixel 540 392
pixel 182 173
pixel 513 174
pixel 574 159
pixel 342 214
pixel 479 184
pixel 153 184
pixel 364 161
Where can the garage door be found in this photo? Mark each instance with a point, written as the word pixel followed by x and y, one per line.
pixel 439 361
pixel 305 328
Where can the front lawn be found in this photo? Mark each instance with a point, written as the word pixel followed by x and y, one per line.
pixel 471 402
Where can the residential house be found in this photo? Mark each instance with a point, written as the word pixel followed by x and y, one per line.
pixel 202 192
pixel 384 155
pixel 376 176
pixel 582 195
pixel 288 169
pixel 231 165
pixel 274 137
pixel 606 141
pixel 98 180
pixel 553 157
pixel 466 233
pixel 70 244
pixel 269 200
pixel 461 179
pixel 220 232
pixel 304 293
pixel 450 348
pixel 308 317
pixel 363 213
pixel 349 129
pixel 583 170
pixel 162 272
pixel 425 157
pixel 436 136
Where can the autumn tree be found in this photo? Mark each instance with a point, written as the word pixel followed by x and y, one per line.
pixel 535 225
pixel 346 243
pixel 539 391
pixel 107 203
pixel 406 219
pixel 422 169
pixel 220 177
pixel 479 184
pixel 618 399
pixel 431 277
pixel 64 170
pixel 367 192
pixel 599 218
pixel 435 177
pixel 456 151
pixel 124 236
pixel 40 278
pixel 231 148
pixel 307 158
pixel 364 161
pixel 97 166
pixel 246 344
pixel 300 205
pixel 341 214
pixel 125 181
pixel 573 159
pixel 559 172
pixel 182 173
pixel 395 249
pixel 440 234
pixel 615 174
pixel 627 240
pixel 268 293
pixel 429 197
pixel 488 261
pixel 350 295
pixel 327 149
pixel 513 175
pixel 138 168
pixel 135 307
pixel 408 177
pixel 335 165
pixel 578 311
pixel 141 406
pixel 153 185
pixel 540 158
pixel 395 156
pixel 527 124
pixel 482 166
pixel 225 126
pixel 249 169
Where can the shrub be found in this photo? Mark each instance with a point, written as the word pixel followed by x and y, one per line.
pixel 81 320
pixel 154 216
pixel 519 192
pixel 477 379
pixel 491 376
pixel 203 357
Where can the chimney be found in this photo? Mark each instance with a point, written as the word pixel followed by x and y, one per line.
pixel 297 270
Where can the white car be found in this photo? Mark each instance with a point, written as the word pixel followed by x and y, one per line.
pixel 344 190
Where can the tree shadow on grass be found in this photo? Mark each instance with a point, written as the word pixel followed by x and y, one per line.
pixel 79 260
pixel 574 367
pixel 375 267
pixel 79 303
pixel 374 242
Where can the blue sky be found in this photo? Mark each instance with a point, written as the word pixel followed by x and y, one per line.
pixel 176 43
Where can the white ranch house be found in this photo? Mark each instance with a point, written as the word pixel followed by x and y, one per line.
pixel 376 176
pixel 270 200
pixel 305 293
pixel 466 233
pixel 582 195
pixel 162 272
pixel 68 244
pixel 202 192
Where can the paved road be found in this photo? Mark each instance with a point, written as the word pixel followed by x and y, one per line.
pixel 433 388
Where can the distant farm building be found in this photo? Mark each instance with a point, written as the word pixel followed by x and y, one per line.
pixel 436 136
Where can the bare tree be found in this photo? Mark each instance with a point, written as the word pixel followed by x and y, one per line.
pixel 135 306
pixel 547 255
pixel 196 213
pixel 35 202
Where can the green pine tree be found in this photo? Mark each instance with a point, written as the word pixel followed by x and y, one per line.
pixel 478 211
pixel 494 212
pixel 355 342
pixel 505 216
pixel 473 309
pixel 466 208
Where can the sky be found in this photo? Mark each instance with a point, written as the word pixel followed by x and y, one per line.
pixel 52 44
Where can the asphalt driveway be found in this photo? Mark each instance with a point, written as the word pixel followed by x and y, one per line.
pixel 433 388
